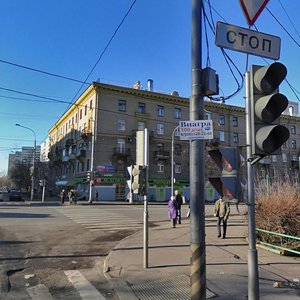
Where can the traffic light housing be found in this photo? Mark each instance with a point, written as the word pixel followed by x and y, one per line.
pixel 88 176
pixel 138 181
pixel 267 105
pixel 228 184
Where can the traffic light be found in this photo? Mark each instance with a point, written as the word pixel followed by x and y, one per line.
pixel 88 176
pixel 267 105
pixel 137 182
pixel 42 182
pixel 228 184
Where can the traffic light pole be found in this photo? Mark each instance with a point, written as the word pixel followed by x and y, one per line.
pixel 197 201
pixel 253 279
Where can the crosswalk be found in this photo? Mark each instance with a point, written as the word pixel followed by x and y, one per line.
pixel 102 219
pixel 81 286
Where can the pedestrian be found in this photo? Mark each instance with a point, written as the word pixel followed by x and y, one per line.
pixel 96 195
pixel 179 201
pixel 62 196
pixel 172 211
pixel 72 198
pixel 222 211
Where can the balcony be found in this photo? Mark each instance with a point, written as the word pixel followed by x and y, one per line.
pixel 121 151
pixel 161 155
pixel 81 154
pixel 69 143
pixel 86 134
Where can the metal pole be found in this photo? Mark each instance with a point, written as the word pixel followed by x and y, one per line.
pixel 43 193
pixel 197 204
pixel 172 161
pixel 33 168
pixel 33 160
pixel 253 279
pixel 146 214
pixel 92 162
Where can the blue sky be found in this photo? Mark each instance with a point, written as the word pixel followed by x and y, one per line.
pixel 67 37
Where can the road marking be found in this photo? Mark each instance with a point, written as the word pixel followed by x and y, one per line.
pixel 39 292
pixel 86 290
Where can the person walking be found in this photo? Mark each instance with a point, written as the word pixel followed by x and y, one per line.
pixel 62 196
pixel 222 211
pixel 179 202
pixel 96 195
pixel 172 211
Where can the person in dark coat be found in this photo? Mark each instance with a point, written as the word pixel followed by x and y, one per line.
pixel 62 196
pixel 179 202
pixel 172 211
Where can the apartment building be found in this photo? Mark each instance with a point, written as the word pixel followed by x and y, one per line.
pixel 99 130
pixel 98 133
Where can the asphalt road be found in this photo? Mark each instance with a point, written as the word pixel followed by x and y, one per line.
pixel 42 249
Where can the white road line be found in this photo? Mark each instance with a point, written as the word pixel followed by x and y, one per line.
pixel 86 290
pixel 112 229
pixel 111 226
pixel 39 292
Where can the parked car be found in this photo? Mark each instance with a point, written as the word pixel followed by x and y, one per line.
pixel 14 194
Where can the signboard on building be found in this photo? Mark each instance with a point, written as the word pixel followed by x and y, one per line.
pixel 193 130
pixel 248 41
pixel 105 169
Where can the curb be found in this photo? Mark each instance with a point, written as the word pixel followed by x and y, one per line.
pixel 121 287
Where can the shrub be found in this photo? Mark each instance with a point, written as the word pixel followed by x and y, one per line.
pixel 278 210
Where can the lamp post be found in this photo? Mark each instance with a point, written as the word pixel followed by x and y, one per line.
pixel 33 160
pixel 172 161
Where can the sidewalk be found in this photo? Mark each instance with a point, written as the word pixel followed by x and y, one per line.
pixel 169 265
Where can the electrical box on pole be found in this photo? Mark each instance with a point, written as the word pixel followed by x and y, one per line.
pixel 267 105
pixel 228 184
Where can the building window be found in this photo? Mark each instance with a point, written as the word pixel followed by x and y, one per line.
pixel 177 149
pixel 121 125
pixel 293 129
pixel 160 168
pixel 274 158
pixel 80 114
pixel 177 113
pixel 235 122
pixel 221 120
pixel 235 137
pixel 160 129
pixel 222 136
pixel 284 145
pixel 142 108
pixel 207 116
pixel 121 146
pixel 141 125
pixel 284 158
pixel 293 144
pixel 122 105
pixel 87 164
pixel 160 111
pixel 85 109
pixel 177 169
pixel 91 104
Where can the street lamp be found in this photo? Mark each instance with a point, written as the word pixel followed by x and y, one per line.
pixel 33 160
pixel 172 161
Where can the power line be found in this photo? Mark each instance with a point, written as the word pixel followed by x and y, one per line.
pixel 42 72
pixel 105 48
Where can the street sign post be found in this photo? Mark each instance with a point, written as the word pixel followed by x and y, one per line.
pixel 252 9
pixel 248 41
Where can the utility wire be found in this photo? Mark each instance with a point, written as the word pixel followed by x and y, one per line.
pixel 42 72
pixel 105 48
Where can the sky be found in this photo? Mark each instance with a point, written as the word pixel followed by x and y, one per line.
pixel 80 37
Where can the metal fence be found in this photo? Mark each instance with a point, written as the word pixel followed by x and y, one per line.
pixel 278 242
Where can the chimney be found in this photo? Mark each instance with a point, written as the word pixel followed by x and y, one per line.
pixel 150 85
pixel 137 85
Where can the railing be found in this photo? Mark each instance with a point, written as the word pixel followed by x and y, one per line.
pixel 278 242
